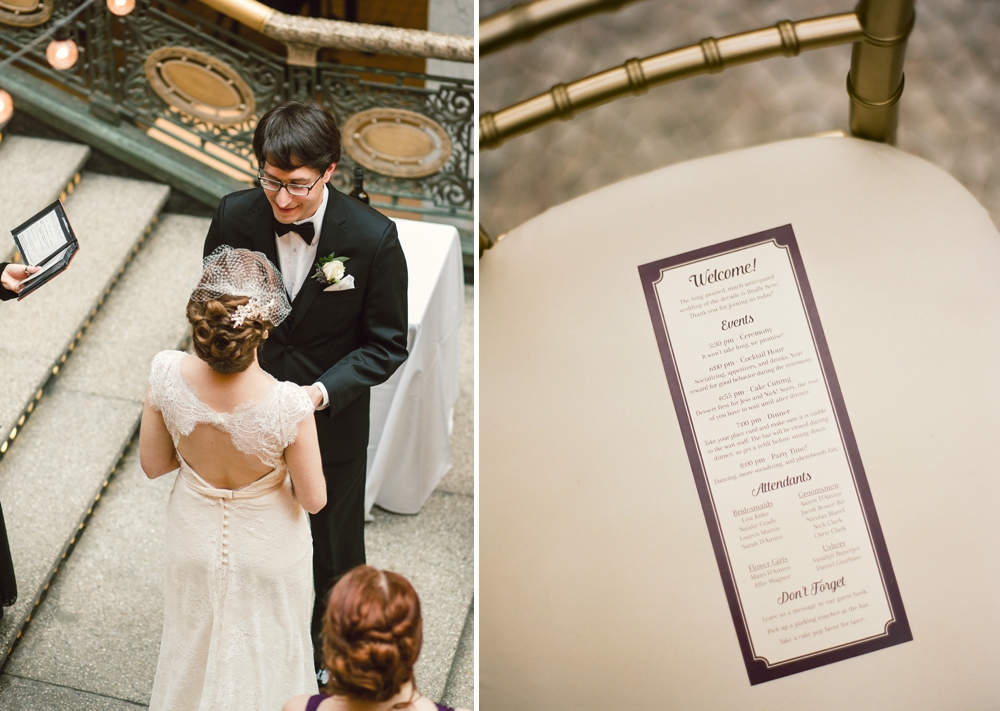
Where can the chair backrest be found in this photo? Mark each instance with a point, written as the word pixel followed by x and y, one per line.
pixel 878 29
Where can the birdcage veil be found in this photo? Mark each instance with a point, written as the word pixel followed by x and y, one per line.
pixel 240 272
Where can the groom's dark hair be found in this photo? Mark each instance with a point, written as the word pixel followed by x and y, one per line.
pixel 296 134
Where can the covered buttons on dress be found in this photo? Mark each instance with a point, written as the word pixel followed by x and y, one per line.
pixel 225 532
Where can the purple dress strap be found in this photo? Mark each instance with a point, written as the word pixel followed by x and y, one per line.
pixel 315 701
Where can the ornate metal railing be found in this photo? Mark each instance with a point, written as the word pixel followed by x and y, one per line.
pixel 305 35
pixel 200 88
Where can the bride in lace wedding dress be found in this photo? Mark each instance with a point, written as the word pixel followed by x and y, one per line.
pixel 239 592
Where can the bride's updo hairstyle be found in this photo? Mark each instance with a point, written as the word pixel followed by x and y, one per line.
pixel 239 298
pixel 372 634
pixel 225 347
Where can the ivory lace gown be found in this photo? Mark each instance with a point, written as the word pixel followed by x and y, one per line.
pixel 239 592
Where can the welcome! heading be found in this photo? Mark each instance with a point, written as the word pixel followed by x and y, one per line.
pixel 712 276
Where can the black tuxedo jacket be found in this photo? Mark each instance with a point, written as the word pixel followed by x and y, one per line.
pixel 349 340
pixel 6 295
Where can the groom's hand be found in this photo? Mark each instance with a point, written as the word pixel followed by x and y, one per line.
pixel 14 274
pixel 315 394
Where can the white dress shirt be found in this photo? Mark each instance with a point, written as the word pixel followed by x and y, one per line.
pixel 297 261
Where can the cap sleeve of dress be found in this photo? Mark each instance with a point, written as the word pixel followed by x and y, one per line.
pixel 296 405
pixel 158 373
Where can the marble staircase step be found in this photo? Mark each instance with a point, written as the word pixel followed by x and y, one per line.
pixel 459 691
pixel 34 172
pixel 52 476
pixel 111 217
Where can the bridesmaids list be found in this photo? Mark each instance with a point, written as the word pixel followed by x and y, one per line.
pixel 795 531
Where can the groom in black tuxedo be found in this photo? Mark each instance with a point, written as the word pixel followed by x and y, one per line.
pixel 340 339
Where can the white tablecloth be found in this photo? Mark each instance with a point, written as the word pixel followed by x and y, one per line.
pixel 409 448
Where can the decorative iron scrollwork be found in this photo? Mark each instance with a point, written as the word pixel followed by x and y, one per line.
pixel 192 99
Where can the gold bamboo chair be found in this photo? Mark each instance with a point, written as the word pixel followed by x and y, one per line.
pixel 599 587
pixel 878 30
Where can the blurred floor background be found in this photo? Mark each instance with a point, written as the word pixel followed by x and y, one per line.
pixel 949 115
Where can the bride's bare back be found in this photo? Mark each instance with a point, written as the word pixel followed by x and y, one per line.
pixel 209 412
pixel 209 450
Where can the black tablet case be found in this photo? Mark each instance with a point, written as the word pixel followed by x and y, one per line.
pixel 68 251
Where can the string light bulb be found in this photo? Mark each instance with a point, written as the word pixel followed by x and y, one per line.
pixel 6 107
pixel 121 7
pixel 62 51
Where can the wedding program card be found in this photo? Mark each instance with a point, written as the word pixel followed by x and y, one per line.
pixel 796 536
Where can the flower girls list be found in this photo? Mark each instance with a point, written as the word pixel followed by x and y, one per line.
pixel 805 566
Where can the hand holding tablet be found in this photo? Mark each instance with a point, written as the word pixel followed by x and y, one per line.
pixel 46 242
pixel 13 275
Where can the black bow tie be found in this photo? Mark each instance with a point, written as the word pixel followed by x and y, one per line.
pixel 306 230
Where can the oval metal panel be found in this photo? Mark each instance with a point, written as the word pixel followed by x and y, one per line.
pixel 397 143
pixel 25 13
pixel 19 5
pixel 200 85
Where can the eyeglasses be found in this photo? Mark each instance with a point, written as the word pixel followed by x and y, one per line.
pixel 274 186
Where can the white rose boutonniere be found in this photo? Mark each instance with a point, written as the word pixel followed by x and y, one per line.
pixel 330 269
pixel 333 271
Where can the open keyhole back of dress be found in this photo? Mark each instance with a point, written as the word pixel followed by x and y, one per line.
pixel 209 449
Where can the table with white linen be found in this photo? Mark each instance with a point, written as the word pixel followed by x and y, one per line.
pixel 409 448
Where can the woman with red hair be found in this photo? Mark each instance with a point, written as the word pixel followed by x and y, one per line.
pixel 372 633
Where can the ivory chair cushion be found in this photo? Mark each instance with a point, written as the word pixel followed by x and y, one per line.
pixel 599 586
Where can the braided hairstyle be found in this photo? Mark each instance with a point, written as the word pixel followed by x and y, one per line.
pixel 226 348
pixel 372 634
